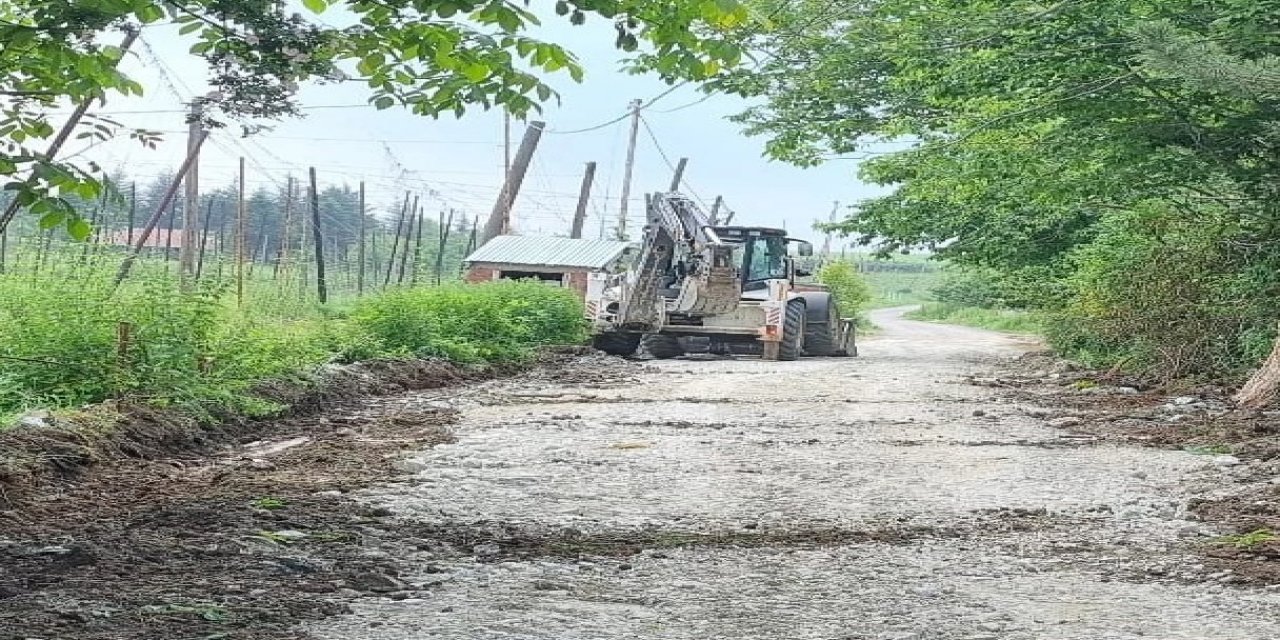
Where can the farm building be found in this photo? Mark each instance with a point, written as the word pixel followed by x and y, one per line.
pixel 564 262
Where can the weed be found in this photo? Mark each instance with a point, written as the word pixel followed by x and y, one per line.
pixel 1249 540
pixel 270 504
pixel 1209 450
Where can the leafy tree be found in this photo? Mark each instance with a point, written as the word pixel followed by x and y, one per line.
pixel 432 56
pixel 1077 150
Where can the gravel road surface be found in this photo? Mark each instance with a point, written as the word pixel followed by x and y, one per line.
pixel 878 497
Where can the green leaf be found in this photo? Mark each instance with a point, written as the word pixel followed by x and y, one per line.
pixel 316 6
pixel 190 28
pixel 149 13
pixel 384 102
pixel 51 219
pixel 79 228
pixel 476 71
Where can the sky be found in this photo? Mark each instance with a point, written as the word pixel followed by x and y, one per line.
pixel 458 163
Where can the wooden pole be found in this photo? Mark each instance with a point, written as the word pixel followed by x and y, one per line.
pixel 679 175
pixel 222 237
pixel 630 169
pixel 321 286
pixel 168 236
pixel 506 144
pixel 191 207
pixel 282 256
pixel 395 243
pixel 715 210
pixel 826 242
pixel 133 210
pixel 471 244
pixel 417 249
pixel 165 201
pixel 204 238
pixel 444 240
pixel 360 249
pixel 408 234
pixel 500 218
pixel 584 198
pixel 241 213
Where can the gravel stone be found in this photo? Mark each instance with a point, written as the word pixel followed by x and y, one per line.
pixel 883 510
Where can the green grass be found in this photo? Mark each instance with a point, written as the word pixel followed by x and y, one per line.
pixel 67 339
pixel 1249 540
pixel 1005 320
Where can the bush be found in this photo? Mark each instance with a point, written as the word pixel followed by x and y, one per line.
pixel 1171 298
pixel 491 322
pixel 847 286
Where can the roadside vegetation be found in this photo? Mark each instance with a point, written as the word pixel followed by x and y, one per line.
pixel 65 343
pixel 1109 165
pixel 1007 320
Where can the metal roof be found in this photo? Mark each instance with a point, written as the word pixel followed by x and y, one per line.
pixel 549 252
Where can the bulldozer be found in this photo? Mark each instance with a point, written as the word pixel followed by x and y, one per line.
pixel 731 289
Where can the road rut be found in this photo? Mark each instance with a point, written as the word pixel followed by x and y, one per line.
pixel 878 497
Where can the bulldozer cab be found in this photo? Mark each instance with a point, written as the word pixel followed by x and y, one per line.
pixel 763 254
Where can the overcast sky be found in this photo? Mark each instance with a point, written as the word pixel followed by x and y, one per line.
pixel 461 159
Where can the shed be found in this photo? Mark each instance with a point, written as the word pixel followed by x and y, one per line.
pixel 565 262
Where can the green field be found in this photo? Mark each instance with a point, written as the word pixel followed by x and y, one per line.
pixel 900 280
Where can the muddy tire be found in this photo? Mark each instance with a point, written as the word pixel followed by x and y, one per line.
pixel 662 347
pixel 819 341
pixel 820 337
pixel 617 344
pixel 793 332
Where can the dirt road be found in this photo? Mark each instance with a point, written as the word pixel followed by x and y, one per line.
pixel 869 498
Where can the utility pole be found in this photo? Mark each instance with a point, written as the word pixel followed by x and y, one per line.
pixel 191 206
pixel 679 176
pixel 584 197
pixel 826 243
pixel 500 218
pixel 630 168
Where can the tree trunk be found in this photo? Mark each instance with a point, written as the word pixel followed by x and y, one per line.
pixel 1264 385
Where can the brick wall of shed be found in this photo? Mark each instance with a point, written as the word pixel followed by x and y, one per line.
pixel 476 275
pixel 577 280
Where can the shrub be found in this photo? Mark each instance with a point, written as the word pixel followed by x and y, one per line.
pixel 1170 297
pixel 847 285
pixel 491 322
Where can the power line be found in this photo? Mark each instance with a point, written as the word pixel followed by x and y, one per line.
pixel 626 115
pixel 670 165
